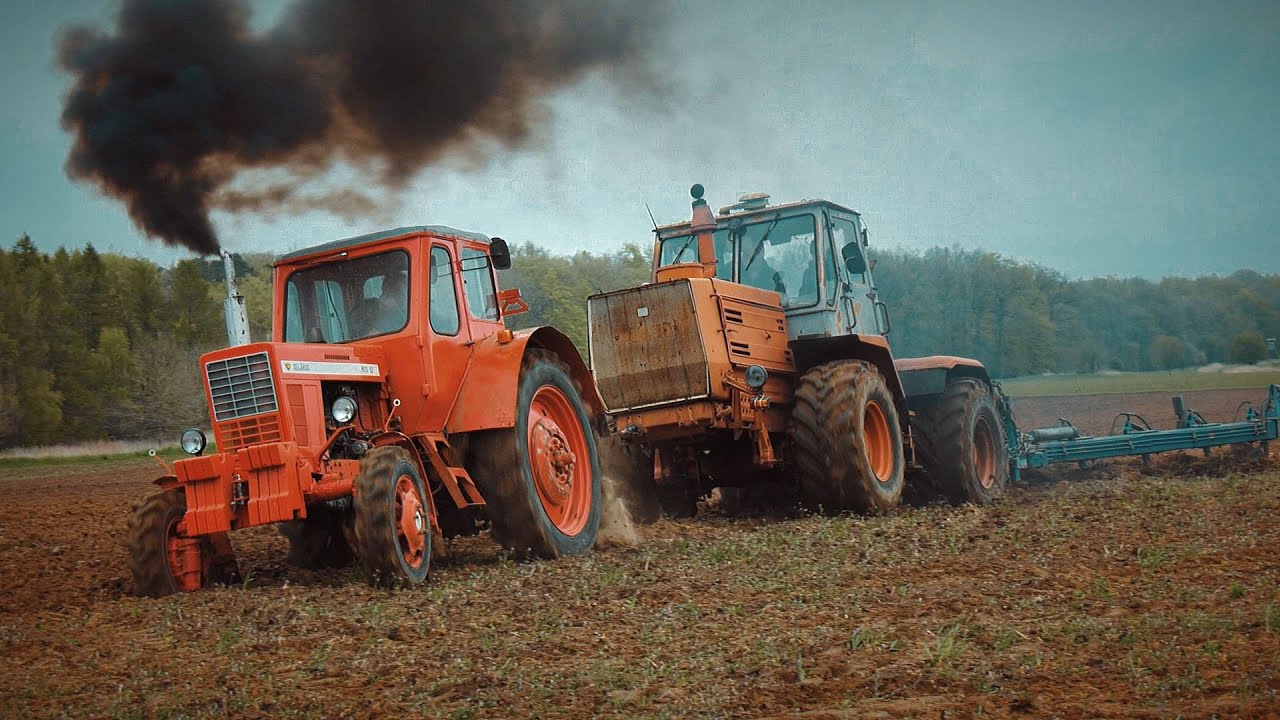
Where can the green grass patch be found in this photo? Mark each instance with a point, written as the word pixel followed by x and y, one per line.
pixel 168 453
pixel 1176 381
pixel 948 644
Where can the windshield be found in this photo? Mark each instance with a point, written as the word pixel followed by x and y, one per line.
pixel 349 300
pixel 778 254
pixel 773 253
pixel 684 249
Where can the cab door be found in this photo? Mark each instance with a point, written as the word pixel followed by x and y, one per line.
pixel 446 333
pixel 856 293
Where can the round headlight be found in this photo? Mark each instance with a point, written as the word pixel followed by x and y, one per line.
pixel 344 408
pixel 193 441
pixel 756 377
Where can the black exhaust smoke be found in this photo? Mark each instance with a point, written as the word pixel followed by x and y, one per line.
pixel 169 109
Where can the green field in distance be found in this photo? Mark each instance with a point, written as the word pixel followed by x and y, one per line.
pixel 1176 381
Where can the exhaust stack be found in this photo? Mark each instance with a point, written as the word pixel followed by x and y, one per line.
pixel 703 224
pixel 234 308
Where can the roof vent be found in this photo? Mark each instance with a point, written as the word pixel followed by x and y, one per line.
pixel 747 203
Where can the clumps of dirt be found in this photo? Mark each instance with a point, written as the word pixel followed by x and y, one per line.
pixel 1220 462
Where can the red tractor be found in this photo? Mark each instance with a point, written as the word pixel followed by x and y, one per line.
pixel 391 409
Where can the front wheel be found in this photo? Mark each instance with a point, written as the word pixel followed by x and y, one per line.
pixel 392 520
pixel 164 562
pixel 541 479
pixel 847 438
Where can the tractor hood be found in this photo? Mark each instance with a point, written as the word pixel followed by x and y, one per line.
pixel 311 360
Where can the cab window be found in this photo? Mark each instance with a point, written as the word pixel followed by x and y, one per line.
pixel 477 285
pixel 684 249
pixel 844 233
pixel 444 302
pixel 832 272
pixel 348 300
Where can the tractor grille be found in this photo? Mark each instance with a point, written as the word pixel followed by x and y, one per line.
pixel 646 346
pixel 241 387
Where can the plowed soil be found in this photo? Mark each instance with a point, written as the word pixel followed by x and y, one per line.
pixel 1117 591
pixel 1094 414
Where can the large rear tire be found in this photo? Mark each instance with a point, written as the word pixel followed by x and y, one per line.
pixel 541 479
pixel 847 439
pixel 392 524
pixel 961 444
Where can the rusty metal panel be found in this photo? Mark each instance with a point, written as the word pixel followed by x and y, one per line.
pixel 645 346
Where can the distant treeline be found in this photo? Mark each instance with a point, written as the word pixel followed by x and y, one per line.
pixel 96 346
pixel 1022 319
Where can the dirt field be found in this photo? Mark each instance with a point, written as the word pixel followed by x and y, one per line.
pixel 1094 414
pixel 1113 592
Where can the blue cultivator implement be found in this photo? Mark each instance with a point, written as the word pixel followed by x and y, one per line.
pixel 1065 443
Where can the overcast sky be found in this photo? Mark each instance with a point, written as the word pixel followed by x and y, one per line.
pixel 1096 138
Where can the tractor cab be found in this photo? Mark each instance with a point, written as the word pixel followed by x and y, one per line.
pixel 812 253
pixel 383 284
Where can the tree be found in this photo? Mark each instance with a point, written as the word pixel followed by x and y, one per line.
pixel 40 408
pixel 1168 352
pixel 1248 349
pixel 196 316
pixel 257 300
pixel 168 393
pixel 114 374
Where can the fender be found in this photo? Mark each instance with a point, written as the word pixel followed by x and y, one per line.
pixel 487 398
pixel 813 351
pixel 930 375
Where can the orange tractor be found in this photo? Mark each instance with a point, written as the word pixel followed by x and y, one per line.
pixel 756 360
pixel 392 409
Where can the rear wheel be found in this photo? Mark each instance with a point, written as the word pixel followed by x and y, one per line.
pixel 541 479
pixel 392 524
pixel 162 561
pixel 962 444
pixel 847 439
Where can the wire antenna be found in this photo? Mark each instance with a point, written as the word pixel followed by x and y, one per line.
pixel 651 218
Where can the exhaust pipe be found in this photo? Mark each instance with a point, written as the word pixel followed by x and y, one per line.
pixel 236 315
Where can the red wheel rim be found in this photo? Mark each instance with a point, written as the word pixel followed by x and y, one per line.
pixel 560 460
pixel 878 441
pixel 411 522
pixel 984 453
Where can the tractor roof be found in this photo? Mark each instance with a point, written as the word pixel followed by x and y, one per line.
pixel 381 235
pixel 729 213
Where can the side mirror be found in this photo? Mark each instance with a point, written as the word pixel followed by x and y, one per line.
pixel 853 259
pixel 500 254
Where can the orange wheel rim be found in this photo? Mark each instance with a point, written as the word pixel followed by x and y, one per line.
pixel 559 459
pixel 984 453
pixel 174 547
pixel 410 521
pixel 878 441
